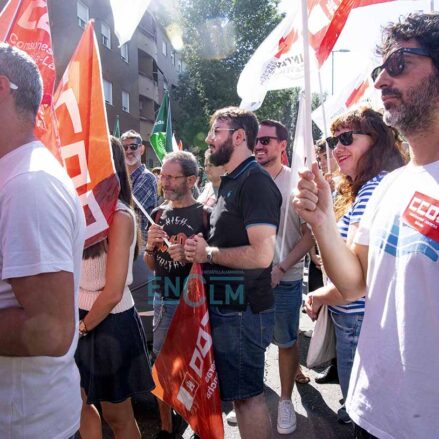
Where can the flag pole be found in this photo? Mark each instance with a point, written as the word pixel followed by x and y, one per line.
pixel 148 217
pixel 325 129
pixel 307 103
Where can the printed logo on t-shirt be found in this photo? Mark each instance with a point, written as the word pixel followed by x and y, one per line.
pixel 422 213
pixel 403 239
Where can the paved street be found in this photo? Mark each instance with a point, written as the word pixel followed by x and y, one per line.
pixel 316 405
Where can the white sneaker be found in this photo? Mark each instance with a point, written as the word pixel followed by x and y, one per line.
pixel 231 418
pixel 286 417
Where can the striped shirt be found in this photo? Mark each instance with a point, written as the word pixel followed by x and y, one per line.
pixel 352 216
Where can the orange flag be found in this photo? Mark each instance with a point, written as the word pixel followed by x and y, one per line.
pixel 184 372
pixel 84 136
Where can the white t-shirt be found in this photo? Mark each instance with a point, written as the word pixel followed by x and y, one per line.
pixel 393 391
pixel 41 231
pixel 293 233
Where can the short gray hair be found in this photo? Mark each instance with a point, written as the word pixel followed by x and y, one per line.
pixel 187 161
pixel 22 70
pixel 131 134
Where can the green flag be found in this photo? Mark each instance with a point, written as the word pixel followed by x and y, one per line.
pixel 116 129
pixel 161 136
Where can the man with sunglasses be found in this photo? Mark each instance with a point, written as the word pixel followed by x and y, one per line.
pixel 287 271
pixel 181 217
pixel 42 229
pixel 237 266
pixel 394 258
pixel 143 181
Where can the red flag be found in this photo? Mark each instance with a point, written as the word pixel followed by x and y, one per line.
pixel 85 145
pixel 284 158
pixel 184 372
pixel 28 29
pixel 25 24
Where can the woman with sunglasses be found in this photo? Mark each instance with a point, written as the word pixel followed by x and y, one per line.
pixel 365 149
pixel 111 355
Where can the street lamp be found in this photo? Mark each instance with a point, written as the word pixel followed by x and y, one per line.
pixel 332 66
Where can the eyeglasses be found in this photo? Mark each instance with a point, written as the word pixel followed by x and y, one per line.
pixel 345 138
pixel 265 140
pixel 172 178
pixel 132 146
pixel 395 63
pixel 214 131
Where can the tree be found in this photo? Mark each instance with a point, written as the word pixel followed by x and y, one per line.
pixel 220 36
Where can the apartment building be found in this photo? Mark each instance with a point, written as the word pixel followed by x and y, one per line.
pixel 135 75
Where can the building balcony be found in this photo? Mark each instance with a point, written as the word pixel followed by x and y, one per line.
pixel 147 44
pixel 148 88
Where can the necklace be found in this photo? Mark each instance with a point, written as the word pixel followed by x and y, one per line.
pixel 277 175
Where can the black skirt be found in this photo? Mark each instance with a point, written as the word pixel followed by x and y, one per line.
pixel 113 358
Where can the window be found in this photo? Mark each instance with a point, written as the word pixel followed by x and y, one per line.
pixel 82 13
pixel 125 101
pixel 173 57
pixel 108 92
pixel 124 52
pixel 106 35
pixel 164 48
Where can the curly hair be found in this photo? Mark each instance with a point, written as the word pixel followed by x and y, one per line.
pixel 424 28
pixel 385 153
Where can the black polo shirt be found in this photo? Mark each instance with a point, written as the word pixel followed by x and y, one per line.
pixel 247 197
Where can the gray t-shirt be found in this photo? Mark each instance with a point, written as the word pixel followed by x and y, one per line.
pixel 293 233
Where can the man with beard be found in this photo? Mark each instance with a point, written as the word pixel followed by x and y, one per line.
pixel 238 257
pixel 393 391
pixel 143 181
pixel 287 272
pixel 181 217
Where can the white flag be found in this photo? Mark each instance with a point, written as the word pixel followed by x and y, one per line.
pixel 359 90
pixel 126 16
pixel 276 64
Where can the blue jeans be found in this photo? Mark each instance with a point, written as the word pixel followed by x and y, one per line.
pixel 347 330
pixel 287 304
pixel 239 342
pixel 163 313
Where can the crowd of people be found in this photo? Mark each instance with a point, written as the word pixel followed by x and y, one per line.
pixel 367 213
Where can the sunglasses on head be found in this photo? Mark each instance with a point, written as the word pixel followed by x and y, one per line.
pixel 132 146
pixel 395 63
pixel 264 140
pixel 345 138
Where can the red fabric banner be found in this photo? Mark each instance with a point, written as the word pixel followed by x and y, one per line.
pixel 184 372
pixel 85 140
pixel 25 24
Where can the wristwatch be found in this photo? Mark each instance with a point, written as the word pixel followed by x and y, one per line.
pixel 209 255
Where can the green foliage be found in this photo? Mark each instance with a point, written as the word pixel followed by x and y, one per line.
pixel 220 36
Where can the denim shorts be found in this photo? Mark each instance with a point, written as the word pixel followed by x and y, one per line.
pixel 164 311
pixel 287 304
pixel 240 339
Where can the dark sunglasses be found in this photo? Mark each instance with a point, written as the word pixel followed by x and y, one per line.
pixel 395 63
pixel 265 140
pixel 345 138
pixel 132 146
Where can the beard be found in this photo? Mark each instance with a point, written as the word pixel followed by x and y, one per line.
pixel 417 110
pixel 223 153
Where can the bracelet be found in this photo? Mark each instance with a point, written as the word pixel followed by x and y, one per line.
pixel 282 269
pixel 82 332
pixel 149 252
